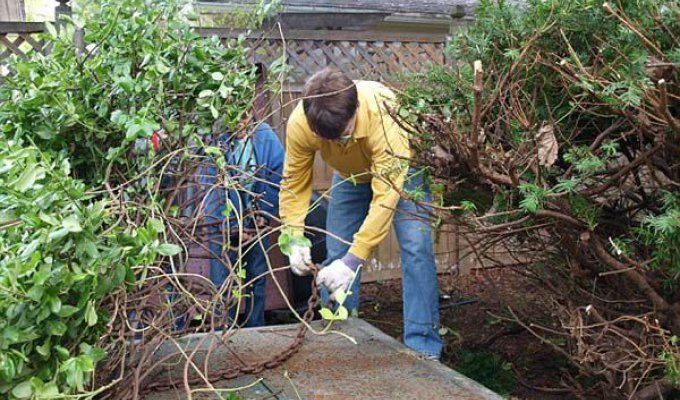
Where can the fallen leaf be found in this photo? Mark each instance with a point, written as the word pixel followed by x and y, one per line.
pixel 439 152
pixel 547 145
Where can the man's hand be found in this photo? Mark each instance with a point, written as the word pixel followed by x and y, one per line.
pixel 335 276
pixel 300 260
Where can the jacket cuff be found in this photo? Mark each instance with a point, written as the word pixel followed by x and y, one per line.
pixel 360 251
pixel 352 261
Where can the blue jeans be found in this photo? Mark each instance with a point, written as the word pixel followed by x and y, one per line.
pixel 348 208
pixel 255 264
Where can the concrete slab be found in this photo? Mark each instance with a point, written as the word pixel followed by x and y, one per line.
pixel 326 367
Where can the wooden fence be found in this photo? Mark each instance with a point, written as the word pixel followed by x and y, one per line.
pixel 20 38
pixel 362 55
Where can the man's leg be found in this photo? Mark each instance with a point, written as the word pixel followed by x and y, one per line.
pixel 420 286
pixel 256 265
pixel 347 210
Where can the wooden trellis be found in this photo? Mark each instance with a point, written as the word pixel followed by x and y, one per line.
pixel 360 54
pixel 20 38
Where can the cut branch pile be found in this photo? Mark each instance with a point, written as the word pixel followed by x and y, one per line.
pixel 556 140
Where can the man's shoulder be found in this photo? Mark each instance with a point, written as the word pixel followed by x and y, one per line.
pixel 297 124
pixel 373 95
pixel 371 88
pixel 297 116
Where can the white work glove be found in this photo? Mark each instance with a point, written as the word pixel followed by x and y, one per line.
pixel 300 260
pixel 335 276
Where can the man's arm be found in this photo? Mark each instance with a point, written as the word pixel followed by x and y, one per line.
pixel 296 186
pixel 390 152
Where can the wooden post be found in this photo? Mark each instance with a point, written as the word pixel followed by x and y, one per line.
pixel 12 10
pixel 62 9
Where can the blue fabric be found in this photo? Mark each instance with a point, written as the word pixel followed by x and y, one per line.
pixel 352 261
pixel 348 208
pixel 268 159
pixel 255 263
pixel 243 155
pixel 266 154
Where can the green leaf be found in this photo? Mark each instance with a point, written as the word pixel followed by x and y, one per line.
pixel 28 178
pixel 467 205
pixel 49 219
pixel 36 293
pixel 52 30
pixel 340 296
pixel 24 390
pixel 56 328
pixel 71 223
pixel 205 93
pixel 67 310
pixel 326 314
pixel 54 303
pixel 86 363
pixel 42 275
pixel 58 234
pixel 284 243
pixel 62 352
pixel 162 68
pixel 301 240
pixel 566 186
pixel 29 249
pixel 44 349
pixel 118 117
pixel 127 84
pixel 342 313
pixel 213 150
pixel 49 391
pixel 169 249
pixel 91 249
pixel 91 314
pixel 217 76
pixel 224 91
pixel 119 276
pixel 157 225
pixel 11 334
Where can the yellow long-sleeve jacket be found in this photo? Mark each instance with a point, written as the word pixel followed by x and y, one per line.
pixel 376 153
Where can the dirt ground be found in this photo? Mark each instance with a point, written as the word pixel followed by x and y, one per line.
pixel 500 354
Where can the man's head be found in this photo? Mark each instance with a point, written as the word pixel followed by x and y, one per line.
pixel 330 102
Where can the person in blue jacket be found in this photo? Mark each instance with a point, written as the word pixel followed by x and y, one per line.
pixel 254 160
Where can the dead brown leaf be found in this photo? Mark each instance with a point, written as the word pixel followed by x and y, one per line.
pixel 547 145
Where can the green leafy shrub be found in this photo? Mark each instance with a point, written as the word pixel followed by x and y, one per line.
pixel 61 255
pixel 83 223
pixel 140 69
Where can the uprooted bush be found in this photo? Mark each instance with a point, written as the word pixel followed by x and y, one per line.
pixel 100 143
pixel 556 140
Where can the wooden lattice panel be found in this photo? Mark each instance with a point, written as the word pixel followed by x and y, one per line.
pixel 362 55
pixel 17 44
pixel 360 59
pixel 20 44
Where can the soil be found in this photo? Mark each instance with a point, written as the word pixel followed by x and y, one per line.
pixel 469 306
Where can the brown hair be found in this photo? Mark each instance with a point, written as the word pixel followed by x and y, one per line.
pixel 330 100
